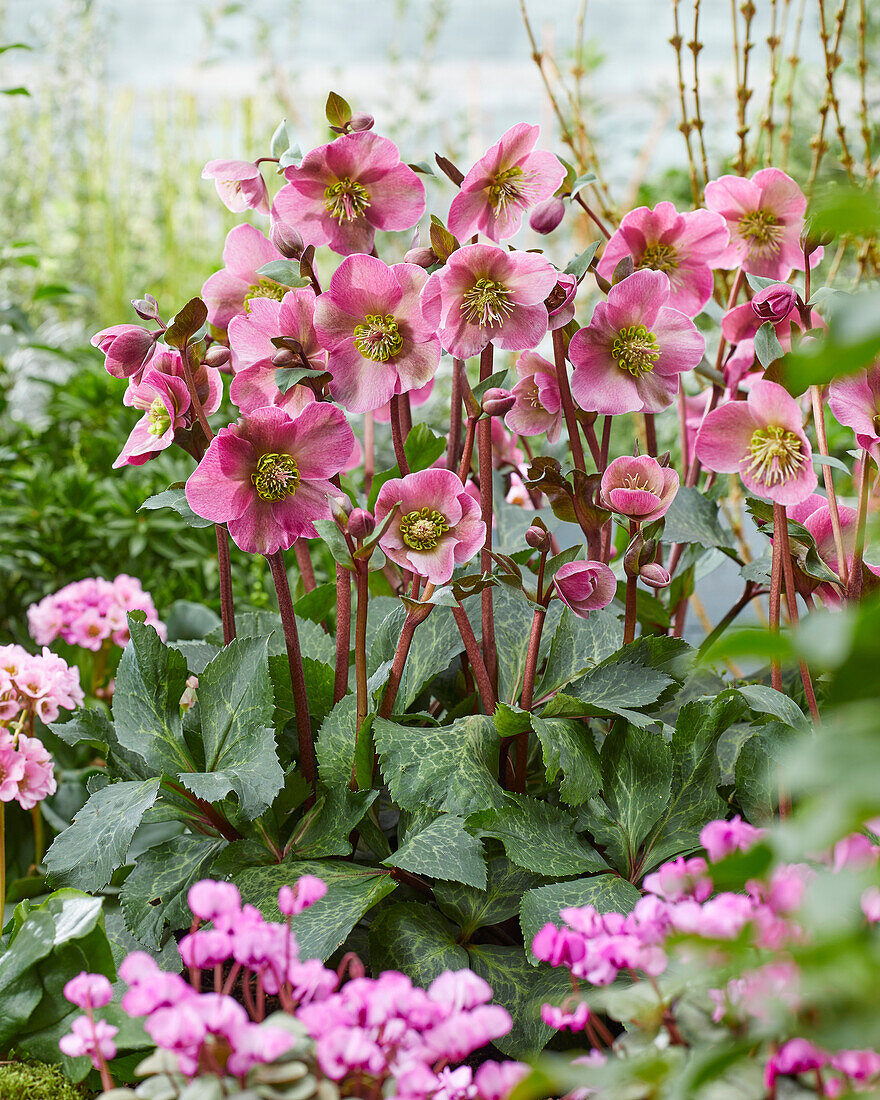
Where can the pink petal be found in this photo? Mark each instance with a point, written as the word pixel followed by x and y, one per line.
pixel 220 487
pixel 358 383
pixel 770 404
pixel 397 199
pixel 362 285
pixel 725 436
pixel 638 298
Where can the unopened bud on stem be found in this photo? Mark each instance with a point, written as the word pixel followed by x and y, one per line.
pixel 538 538
pixel 287 240
pixel 361 524
pixel 217 355
pixel 497 402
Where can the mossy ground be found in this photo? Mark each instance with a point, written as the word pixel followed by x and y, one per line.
pixel 34 1081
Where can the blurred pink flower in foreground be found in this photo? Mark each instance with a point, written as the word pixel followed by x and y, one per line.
pixel 239 184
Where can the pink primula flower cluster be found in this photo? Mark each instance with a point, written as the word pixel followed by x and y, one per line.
pixel 37 684
pixel 92 612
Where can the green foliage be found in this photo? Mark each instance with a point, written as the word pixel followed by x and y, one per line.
pixel 36 1081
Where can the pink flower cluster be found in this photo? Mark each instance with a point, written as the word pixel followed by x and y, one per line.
pixel 26 770
pixel 383 1029
pixel 89 612
pixel 36 684
pixel 859 1070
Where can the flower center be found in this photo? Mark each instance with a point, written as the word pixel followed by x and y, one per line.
pixel 636 350
pixel 633 481
pixel 421 530
pixel 275 477
pixel 507 187
pixel 762 230
pixel 659 257
pixel 265 288
pixel 346 200
pixel 776 455
pixel 379 338
pixel 487 303
pixel 159 418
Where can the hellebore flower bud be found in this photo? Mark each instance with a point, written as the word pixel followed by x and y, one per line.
pixel 774 303
pixel 423 257
pixel 547 215
pixel 286 239
pixel 340 508
pixel 538 538
pixel 127 349
pixel 497 402
pixel 654 575
pixel 361 524
pixel 361 121
pixel 146 307
pixel 585 586
pixel 217 355
pixel 283 357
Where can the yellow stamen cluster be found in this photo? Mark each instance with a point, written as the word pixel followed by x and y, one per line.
pixel 276 476
pixel 422 530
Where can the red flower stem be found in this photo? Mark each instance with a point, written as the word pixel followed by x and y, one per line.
pixel 227 607
pixel 343 632
pixel 209 812
pixel 304 561
pixel 297 676
pixel 632 596
pixel 189 378
pixel 468 452
pixel 369 451
pixel 472 649
pixel 854 591
pixel 828 478
pixel 568 409
pixel 650 435
pixel 453 445
pixel 791 603
pixel 362 576
pixel 397 666
pixel 398 437
pixel 405 414
pixel 594 218
pixel 484 434
pixel 522 740
pixel 606 444
pixel 775 587
pixel 593 443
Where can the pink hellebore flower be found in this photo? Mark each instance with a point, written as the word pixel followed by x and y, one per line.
pixel 815 514
pixel 585 586
pixel 228 291
pixel 685 247
pixel 346 190
pixel 250 341
pixel 127 349
pixel 762 439
pixel 765 216
pixel 377 341
pixel 165 401
pixel 560 301
pixel 538 405
pixel 775 304
pixel 484 295
pixel 239 184
pixel 266 476
pixel 639 488
pixel 437 527
pixel 505 182
pixel 629 357
pixel 855 401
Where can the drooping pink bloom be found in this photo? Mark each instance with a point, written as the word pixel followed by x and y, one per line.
pixel 765 216
pixel 127 349
pixel 639 488
pixel 740 324
pixel 858 1065
pixel 250 341
pixel 228 291
pixel 585 586
pixel 721 838
pixel 855 401
pixel 89 990
pixel 378 343
pixel 681 878
pixel 296 899
pixel 538 405
pixel 165 401
pixel 496 1080
pixel 485 294
pixel 795 1056
pixel 344 191
pixel 560 301
pixel 509 179
pixel 870 904
pixel 437 527
pixel 629 357
pixel 815 514
pixel 562 1020
pixel 90 1038
pixel 209 899
pixel 266 476
pixel 167 361
pixel 239 184
pixel 547 215
pixel 685 247
pixel 763 440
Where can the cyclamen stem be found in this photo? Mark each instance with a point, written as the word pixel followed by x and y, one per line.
pixel 775 591
pixel 106 1080
pixel 632 596
pixel 484 430
pixel 297 676
pixel 472 649
pixel 362 576
pixel 791 603
pixel 854 590
pixel 568 409
pixel 343 631
pixel 397 436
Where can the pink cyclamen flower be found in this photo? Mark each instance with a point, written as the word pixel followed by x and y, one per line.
pixel 127 349
pixel 506 181
pixel 585 586
pixel 250 341
pixel 795 1056
pixel 765 216
pixel 89 990
pixel 858 1065
pixel 344 191
pixel 496 1080
pixel 296 899
pixel 538 405
pixel 91 1039
pixel 378 344
pixel 437 527
pixel 639 488
pixel 239 184
pixel 266 476
pixel 629 357
pixel 855 401
pixel 721 838
pixel 165 401
pixel 685 247
pixel 228 291
pixel 484 295
pixel 763 440
pixel 209 900
pixel 562 1020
